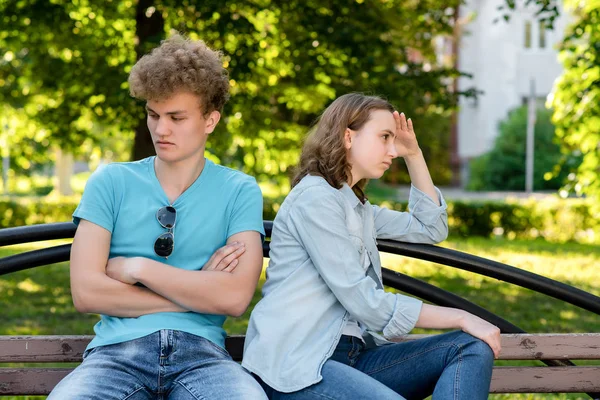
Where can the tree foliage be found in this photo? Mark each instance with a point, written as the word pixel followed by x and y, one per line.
pixel 66 63
pixel 65 66
pixel 577 93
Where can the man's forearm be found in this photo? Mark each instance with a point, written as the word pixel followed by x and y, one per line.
pixel 212 292
pixel 103 295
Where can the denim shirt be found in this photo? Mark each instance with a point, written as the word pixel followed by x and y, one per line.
pixel 316 279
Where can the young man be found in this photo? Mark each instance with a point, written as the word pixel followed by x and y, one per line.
pixel 167 246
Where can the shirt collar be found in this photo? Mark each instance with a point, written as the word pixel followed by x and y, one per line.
pixel 349 194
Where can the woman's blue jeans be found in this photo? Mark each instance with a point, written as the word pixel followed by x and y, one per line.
pixel 167 364
pixel 450 366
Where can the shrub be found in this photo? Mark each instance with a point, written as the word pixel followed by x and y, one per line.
pixel 503 168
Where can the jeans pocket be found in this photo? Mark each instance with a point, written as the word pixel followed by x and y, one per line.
pixel 88 352
pixel 214 346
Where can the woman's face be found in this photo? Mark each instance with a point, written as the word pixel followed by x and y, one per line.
pixel 371 149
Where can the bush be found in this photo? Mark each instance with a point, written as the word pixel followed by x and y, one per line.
pixel 503 168
pixel 555 220
pixel 34 210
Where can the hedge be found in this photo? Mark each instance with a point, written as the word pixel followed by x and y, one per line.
pixel 555 220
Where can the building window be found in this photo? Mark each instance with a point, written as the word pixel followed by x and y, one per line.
pixel 527 34
pixel 542 35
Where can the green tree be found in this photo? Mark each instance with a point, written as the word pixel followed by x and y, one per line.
pixel 576 94
pixel 503 168
pixel 65 65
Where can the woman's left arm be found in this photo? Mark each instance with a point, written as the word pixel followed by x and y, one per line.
pixel 427 221
pixel 408 148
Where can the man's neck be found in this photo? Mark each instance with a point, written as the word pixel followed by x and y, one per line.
pixel 176 177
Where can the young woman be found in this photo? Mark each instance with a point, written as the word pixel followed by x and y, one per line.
pixel 316 332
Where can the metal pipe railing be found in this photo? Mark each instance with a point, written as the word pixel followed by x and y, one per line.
pixel 36 233
pixel 494 269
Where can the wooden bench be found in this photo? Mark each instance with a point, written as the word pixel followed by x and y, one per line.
pixel 555 350
pixel 505 379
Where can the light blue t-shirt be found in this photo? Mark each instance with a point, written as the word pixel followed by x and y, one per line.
pixel 123 198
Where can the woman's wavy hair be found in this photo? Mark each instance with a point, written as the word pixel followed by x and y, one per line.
pixel 324 152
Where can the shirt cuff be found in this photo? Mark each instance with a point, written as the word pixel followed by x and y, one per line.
pixel 418 200
pixel 404 319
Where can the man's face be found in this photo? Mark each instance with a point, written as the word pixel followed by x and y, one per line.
pixel 178 127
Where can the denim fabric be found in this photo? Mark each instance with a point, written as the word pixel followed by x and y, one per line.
pixel 164 365
pixel 451 366
pixel 318 276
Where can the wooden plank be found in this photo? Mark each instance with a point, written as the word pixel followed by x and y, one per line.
pixel 40 381
pixel 42 348
pixel 70 348
pixel 545 379
pixel 576 346
pixel 30 381
pixel 527 346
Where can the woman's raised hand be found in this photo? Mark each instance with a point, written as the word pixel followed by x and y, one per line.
pixel 406 140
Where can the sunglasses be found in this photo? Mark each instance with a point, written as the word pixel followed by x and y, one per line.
pixel 163 246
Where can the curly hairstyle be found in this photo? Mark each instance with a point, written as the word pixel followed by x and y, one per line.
pixel 324 152
pixel 181 64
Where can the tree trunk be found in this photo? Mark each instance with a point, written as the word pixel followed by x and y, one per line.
pixel 63 172
pixel 150 30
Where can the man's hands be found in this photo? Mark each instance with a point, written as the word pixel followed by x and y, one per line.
pixel 406 140
pixel 225 259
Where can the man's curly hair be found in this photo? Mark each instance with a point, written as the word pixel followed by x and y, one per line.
pixel 181 64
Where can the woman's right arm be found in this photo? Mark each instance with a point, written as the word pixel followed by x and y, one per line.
pixel 435 317
pixel 317 219
pixel 319 223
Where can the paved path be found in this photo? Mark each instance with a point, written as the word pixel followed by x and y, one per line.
pixel 452 193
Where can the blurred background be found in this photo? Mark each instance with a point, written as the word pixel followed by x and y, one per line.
pixel 477 77
pixel 504 95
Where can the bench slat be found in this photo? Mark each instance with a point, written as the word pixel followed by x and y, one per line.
pixel 40 381
pixel 42 348
pixel 30 381
pixel 551 346
pixel 525 346
pixel 545 379
pixel 514 347
pixel 56 349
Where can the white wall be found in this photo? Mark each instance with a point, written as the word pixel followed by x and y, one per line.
pixel 495 54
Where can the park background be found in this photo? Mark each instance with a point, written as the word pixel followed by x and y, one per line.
pixel 65 110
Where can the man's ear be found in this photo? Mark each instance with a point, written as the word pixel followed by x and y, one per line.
pixel 348 138
pixel 212 120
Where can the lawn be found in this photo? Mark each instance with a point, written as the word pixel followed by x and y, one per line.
pixel 38 301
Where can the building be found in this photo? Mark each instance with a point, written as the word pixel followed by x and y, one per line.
pixel 503 58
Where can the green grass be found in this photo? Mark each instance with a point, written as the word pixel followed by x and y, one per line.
pixel 36 302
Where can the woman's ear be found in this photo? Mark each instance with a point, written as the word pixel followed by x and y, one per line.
pixel 348 137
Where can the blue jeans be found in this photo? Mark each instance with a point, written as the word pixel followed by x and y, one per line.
pixel 164 365
pixel 453 365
